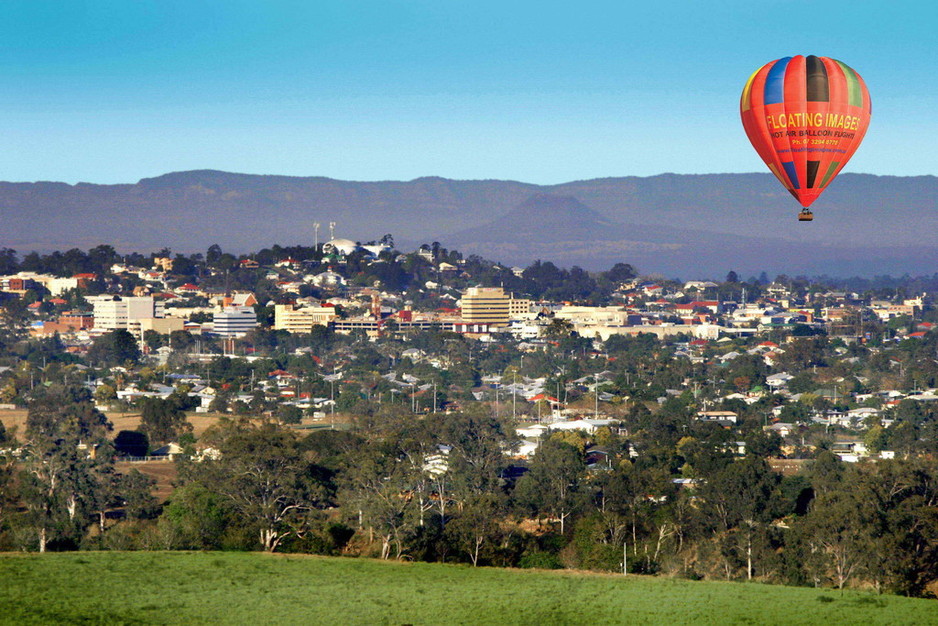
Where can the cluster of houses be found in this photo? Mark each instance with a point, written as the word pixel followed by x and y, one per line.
pixel 693 311
pixel 693 308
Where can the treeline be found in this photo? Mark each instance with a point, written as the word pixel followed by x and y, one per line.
pixel 441 488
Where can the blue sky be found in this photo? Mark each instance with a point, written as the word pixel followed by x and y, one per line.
pixel 543 92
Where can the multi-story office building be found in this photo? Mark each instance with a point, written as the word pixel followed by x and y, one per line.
pixel 490 305
pixel 294 320
pixel 114 313
pixel 234 321
pixel 518 308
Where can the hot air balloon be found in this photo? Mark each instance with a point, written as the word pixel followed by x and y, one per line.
pixel 805 116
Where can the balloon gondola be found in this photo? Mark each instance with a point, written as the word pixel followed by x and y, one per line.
pixel 805 116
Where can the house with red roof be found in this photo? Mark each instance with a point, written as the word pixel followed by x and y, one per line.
pixel 84 279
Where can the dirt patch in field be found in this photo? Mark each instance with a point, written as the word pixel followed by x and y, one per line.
pixel 123 421
pixel 163 472
pixel 14 418
pixel 131 421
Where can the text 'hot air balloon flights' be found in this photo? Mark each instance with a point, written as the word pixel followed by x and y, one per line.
pixel 805 116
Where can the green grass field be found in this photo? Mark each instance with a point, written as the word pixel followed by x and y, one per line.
pixel 252 588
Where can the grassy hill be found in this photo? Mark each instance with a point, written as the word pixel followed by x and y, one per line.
pixel 172 587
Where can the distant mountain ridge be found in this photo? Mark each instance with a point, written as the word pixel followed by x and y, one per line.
pixel 686 225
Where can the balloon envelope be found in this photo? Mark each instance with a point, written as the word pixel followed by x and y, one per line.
pixel 805 116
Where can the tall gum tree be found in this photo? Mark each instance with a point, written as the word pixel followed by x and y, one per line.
pixel 67 455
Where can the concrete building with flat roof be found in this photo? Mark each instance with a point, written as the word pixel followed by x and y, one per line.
pixel 161 325
pixel 115 313
pixel 293 320
pixel 488 305
pixel 234 321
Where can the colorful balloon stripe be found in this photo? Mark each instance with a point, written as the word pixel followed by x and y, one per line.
pixel 816 79
pixel 775 82
pixel 829 173
pixel 812 172
pixel 792 174
pixel 853 86
pixel 744 102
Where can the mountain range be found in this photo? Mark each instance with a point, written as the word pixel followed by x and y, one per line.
pixel 691 226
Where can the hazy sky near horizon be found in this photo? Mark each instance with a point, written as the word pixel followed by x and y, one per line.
pixel 542 92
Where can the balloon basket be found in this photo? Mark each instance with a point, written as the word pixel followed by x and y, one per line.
pixel 805 216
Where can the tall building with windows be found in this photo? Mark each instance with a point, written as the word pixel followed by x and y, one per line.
pixel 113 313
pixel 234 321
pixel 490 305
pixel 294 320
pixel 518 308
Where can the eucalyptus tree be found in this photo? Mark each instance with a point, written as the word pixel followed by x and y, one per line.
pixel 742 499
pixel 267 478
pixel 68 462
pixel 555 486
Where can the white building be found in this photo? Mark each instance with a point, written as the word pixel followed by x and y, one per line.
pixel 340 246
pixel 116 312
pixel 234 321
pixel 58 286
pixel 293 320
pixel 326 279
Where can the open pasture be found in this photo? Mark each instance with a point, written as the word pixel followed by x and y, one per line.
pixel 219 587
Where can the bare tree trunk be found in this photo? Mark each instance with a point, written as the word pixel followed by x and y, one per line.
pixel 270 539
pixel 662 535
pixel 634 536
pixel 441 502
pixel 42 539
pixel 475 552
pixel 749 555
